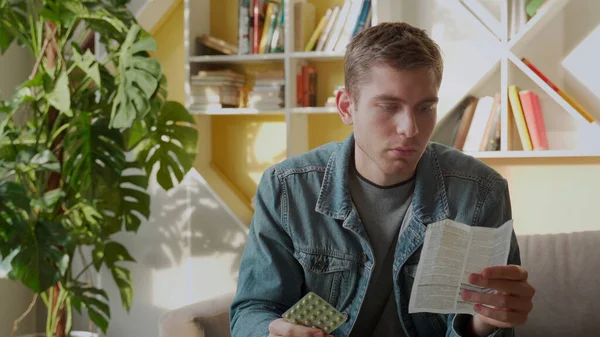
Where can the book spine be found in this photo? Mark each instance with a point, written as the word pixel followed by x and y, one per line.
pixel 362 19
pixel 255 26
pixel 244 28
pixel 515 103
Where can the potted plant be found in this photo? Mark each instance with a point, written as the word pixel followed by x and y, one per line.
pixel 78 143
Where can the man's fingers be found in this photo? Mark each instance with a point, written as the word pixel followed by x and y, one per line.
pixel 511 272
pixel 499 300
pixel 505 317
pixel 515 288
pixel 281 327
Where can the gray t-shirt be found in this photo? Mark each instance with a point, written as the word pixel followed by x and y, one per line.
pixel 381 210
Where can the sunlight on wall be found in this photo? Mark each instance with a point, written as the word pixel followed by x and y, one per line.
pixel 266 147
pixel 244 147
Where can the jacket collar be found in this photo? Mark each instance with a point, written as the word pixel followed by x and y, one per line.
pixel 429 202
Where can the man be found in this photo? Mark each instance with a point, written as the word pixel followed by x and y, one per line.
pixel 347 220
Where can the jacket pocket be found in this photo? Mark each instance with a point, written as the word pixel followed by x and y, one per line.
pixel 323 274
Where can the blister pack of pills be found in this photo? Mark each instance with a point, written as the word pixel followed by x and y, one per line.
pixel 313 311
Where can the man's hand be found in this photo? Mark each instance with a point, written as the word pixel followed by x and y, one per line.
pixel 282 328
pixel 511 303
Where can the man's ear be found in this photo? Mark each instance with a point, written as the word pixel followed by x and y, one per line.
pixel 345 107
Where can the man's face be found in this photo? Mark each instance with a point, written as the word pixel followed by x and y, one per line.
pixel 393 120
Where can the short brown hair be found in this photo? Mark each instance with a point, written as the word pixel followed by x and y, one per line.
pixel 396 44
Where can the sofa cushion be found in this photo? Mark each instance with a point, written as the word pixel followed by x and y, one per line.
pixel 565 270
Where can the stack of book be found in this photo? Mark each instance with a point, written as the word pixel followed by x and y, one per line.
pixel 261 26
pixel 269 90
pixel 306 86
pixel 216 89
pixel 335 28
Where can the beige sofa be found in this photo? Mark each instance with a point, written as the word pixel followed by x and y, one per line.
pixel 565 269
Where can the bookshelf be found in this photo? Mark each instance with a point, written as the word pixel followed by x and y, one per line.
pixel 549 39
pixel 482 55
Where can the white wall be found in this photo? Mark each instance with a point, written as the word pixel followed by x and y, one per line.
pixel 188 251
pixel 15 66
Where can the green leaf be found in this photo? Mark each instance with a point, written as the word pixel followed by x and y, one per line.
pixel 43 256
pixel 84 222
pixel 6 39
pixel 92 151
pixel 135 134
pixel 46 160
pixel 99 320
pixel 115 252
pixel 37 81
pixel 138 79
pixel 48 200
pixel 14 194
pixel 127 203
pixel 95 301
pixel 122 277
pixel 110 253
pixel 60 97
pixel 88 64
pixel 14 207
pixel 171 144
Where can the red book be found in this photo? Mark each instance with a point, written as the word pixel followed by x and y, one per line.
pixel 255 26
pixel 534 119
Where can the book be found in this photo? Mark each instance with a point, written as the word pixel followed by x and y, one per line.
pixel 244 46
pixel 517 110
pixel 340 22
pixel 532 111
pixel 328 28
pixel 363 18
pixel 267 29
pixel 478 124
pixel 218 44
pixel 465 122
pixel 310 45
pixel 351 22
pixel 493 123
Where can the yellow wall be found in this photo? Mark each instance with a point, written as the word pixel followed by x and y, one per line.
pixel 326 128
pixel 552 195
pixel 171 52
pixel 243 147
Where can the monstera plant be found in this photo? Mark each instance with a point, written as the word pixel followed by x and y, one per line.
pixel 79 141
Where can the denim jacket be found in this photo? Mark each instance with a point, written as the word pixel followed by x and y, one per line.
pixel 307 236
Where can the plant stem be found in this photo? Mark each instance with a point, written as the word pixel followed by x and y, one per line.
pixel 57 311
pixel 50 317
pixel 69 324
pixel 40 56
pixel 84 270
pixel 22 317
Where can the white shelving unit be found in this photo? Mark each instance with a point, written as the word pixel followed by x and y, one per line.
pixel 480 59
pixel 547 39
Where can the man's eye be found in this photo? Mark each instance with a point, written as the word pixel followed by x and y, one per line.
pixel 427 108
pixel 388 107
